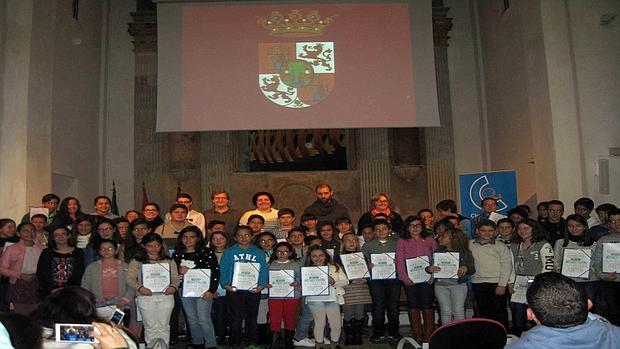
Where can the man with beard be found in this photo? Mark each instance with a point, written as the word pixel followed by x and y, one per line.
pixel 326 208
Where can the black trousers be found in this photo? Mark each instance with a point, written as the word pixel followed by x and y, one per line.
pixel 490 305
pixel 385 296
pixel 243 306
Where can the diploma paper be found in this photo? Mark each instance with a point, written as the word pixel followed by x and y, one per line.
pixel 196 282
pixel 315 281
pixel 383 265
pixel 449 264
pixel 576 262
pixel 416 269
pixel 522 282
pixel 156 276
pixel 280 281
pixel 245 276
pixel 611 258
pixel 355 265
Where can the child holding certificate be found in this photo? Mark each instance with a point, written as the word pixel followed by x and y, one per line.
pixel 577 237
pixel 385 292
pixel 155 278
pixel 451 293
pixel 191 253
pixel 244 295
pixel 284 308
pixel 532 255
pixel 493 263
pixel 266 242
pixel 416 243
pixel 328 306
pixel 356 296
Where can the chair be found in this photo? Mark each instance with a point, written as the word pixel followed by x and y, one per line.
pixel 474 333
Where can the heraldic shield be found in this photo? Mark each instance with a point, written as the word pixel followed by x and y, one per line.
pixel 296 74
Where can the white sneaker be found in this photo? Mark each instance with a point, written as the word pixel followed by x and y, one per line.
pixel 306 342
pixel 326 341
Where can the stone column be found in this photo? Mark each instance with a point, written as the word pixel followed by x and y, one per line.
pixel 150 147
pixel 374 163
pixel 216 163
pixel 439 141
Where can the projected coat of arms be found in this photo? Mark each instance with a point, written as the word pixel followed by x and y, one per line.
pixel 299 73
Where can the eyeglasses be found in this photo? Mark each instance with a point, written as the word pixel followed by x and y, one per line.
pixel 415 225
pixel 104 229
pixel 613 221
pixel 152 246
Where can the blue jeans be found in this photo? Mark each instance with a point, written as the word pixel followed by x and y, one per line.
pixel 198 312
pixel 451 300
pixel 304 321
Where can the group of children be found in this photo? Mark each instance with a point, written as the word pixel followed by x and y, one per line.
pixel 107 257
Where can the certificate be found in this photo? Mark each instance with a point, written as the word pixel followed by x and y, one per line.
pixel 522 282
pixel 196 282
pixel 156 276
pixel 416 269
pixel 280 281
pixel 315 281
pixel 383 265
pixel 355 265
pixel 245 276
pixel 611 257
pixel 449 264
pixel 576 262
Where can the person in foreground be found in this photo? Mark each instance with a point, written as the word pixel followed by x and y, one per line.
pixel 560 310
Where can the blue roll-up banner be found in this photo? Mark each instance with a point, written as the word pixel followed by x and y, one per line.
pixel 502 185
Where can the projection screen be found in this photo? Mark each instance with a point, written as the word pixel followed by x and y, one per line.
pixel 295 65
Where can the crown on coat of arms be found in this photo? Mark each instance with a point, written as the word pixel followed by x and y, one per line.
pixel 295 24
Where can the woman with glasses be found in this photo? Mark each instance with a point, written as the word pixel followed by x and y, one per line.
pixel 382 207
pixel 105 278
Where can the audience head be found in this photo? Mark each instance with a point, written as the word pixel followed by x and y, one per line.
pixel 69 305
pixel 25 333
pixel 555 300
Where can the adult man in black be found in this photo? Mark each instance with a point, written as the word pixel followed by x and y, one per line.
pixel 555 223
pixel 326 208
